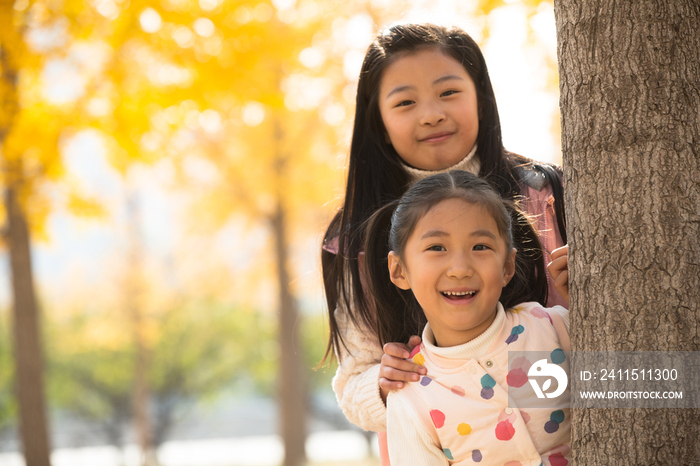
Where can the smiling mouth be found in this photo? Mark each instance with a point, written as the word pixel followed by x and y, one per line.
pixel 455 295
pixel 437 137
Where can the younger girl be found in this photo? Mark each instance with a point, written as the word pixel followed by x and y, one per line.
pixel 424 105
pixel 451 253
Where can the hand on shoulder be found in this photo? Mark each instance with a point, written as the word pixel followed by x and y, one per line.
pixel 395 368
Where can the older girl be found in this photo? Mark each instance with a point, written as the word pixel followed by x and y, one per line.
pixel 424 105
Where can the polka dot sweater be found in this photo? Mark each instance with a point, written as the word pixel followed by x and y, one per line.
pixel 474 407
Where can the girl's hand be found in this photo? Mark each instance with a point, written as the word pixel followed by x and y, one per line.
pixel 559 270
pixel 395 369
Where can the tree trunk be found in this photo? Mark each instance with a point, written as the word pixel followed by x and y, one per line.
pixel 630 94
pixel 134 304
pixel 27 335
pixel 29 365
pixel 292 381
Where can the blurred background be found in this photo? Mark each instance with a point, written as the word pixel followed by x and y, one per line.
pixel 175 164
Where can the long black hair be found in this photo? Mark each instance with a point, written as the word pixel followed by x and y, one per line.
pixel 376 174
pixel 398 314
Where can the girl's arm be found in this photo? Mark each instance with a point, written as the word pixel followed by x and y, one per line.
pixel 356 382
pixel 408 441
pixel 367 374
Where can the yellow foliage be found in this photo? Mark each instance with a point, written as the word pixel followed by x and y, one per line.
pixel 86 207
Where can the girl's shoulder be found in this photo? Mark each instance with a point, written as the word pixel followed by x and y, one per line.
pixel 529 176
pixel 558 317
pixel 538 175
pixel 533 174
pixel 537 309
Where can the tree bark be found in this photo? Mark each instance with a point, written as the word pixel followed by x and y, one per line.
pixel 29 365
pixel 630 94
pixel 292 380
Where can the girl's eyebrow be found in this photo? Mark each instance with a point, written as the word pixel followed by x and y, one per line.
pixel 434 234
pixel 449 77
pixel 439 80
pixel 399 89
pixel 440 234
pixel 486 233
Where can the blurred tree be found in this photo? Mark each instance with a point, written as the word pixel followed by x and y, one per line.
pixel 200 347
pixel 135 307
pixel 203 349
pixel 17 180
pixel 240 64
pixel 8 403
pixel 93 383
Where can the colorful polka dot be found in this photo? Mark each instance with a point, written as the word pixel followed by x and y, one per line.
pixel 438 418
pixel 448 453
pixel 419 359
pixel 487 381
pixel 509 416
pixel 457 390
pixel 425 381
pixel 526 416
pixel 464 429
pixel 515 331
pixel 414 351
pixel 541 313
pixel 558 356
pixel 558 459
pixel 516 378
pixel 522 362
pixel 505 430
pixel 517 309
pixel 476 456
pixel 556 418
pixel 550 427
pixel 560 450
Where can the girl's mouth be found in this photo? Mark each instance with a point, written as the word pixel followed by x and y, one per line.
pixel 437 137
pixel 457 295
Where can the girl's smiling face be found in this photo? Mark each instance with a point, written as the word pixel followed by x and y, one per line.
pixel 428 104
pixel 456 263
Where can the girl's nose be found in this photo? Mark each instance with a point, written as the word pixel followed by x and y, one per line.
pixel 432 114
pixel 460 268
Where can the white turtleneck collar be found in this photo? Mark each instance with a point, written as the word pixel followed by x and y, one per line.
pixel 469 163
pixel 473 349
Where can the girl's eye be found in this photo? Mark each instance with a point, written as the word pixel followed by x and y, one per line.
pixel 404 103
pixel 437 247
pixel 481 247
pixel 448 93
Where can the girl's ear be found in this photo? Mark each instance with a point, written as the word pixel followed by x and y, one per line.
pixel 397 272
pixel 509 267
